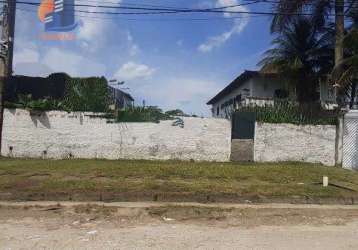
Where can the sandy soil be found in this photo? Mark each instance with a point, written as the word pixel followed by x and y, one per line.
pixel 148 226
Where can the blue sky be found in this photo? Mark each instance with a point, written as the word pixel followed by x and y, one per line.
pixel 167 62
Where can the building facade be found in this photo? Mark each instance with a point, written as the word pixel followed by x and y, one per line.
pixel 120 99
pixel 250 88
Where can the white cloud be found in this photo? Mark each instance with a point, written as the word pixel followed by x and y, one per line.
pixel 237 28
pixel 131 70
pixel 72 63
pixel 93 31
pixel 34 56
pixel 133 48
pixel 180 43
pixel 27 62
pixel 188 93
pixel 30 62
pixel 32 69
pixel 26 42
pixel 26 55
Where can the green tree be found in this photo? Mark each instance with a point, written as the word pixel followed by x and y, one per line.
pixel 301 54
pixel 346 73
pixel 176 112
pixel 320 11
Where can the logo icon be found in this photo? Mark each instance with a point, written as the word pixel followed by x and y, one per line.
pixel 57 15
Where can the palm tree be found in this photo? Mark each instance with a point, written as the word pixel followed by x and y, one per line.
pixel 345 74
pixel 320 11
pixel 302 55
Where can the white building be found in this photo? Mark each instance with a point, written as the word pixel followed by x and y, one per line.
pixel 250 88
pixel 327 95
pixel 120 99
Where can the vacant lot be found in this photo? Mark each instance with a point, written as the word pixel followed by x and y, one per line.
pixel 100 180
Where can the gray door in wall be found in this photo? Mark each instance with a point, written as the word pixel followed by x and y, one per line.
pixel 243 133
pixel 243 125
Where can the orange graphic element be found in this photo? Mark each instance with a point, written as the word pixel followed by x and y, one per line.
pixel 46 7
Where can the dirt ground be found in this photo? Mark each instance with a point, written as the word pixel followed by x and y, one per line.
pixel 176 226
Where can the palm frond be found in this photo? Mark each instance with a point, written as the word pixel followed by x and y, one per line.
pixel 280 20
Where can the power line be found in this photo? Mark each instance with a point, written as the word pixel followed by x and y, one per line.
pixel 250 2
pixel 156 11
pixel 163 19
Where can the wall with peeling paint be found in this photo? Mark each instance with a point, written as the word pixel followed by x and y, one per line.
pixel 288 142
pixel 62 135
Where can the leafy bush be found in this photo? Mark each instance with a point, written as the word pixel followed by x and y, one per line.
pixel 142 114
pixel 46 104
pixel 87 94
pixel 176 112
pixel 288 112
pixel 64 93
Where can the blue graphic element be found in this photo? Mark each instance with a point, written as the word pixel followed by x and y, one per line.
pixel 63 17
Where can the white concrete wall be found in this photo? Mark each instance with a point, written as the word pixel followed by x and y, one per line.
pixel 64 134
pixel 288 142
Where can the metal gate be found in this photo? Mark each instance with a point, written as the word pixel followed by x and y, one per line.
pixel 243 125
pixel 350 140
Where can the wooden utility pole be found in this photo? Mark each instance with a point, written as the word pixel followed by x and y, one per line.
pixel 6 52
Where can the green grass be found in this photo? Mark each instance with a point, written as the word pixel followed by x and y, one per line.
pixel 93 180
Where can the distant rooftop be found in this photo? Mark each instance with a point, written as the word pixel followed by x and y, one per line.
pixel 248 74
pixel 122 92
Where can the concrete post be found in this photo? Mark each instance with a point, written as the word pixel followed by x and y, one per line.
pixel 339 141
pixel 350 140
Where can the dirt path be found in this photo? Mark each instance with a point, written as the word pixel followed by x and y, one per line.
pixel 176 226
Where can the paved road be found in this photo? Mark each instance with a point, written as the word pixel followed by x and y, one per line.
pixel 149 226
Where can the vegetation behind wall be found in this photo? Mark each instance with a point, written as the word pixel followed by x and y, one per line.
pixel 288 112
pixel 58 92
pixel 51 87
pixel 142 114
pixel 87 94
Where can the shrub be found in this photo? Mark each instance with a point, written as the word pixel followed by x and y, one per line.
pixel 142 114
pixel 59 92
pixel 45 104
pixel 288 112
pixel 176 112
pixel 87 94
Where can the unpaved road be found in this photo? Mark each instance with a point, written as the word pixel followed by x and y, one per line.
pixel 188 226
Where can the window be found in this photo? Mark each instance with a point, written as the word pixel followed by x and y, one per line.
pixel 331 93
pixel 238 98
pixel 217 111
pixel 246 92
pixel 281 93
